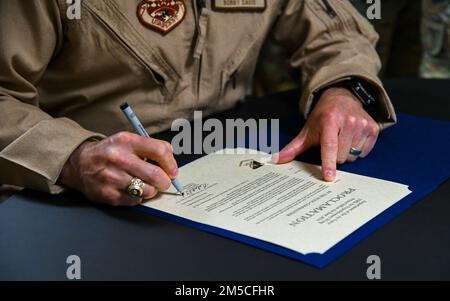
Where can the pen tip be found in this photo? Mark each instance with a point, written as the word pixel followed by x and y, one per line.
pixel 182 194
pixel 124 106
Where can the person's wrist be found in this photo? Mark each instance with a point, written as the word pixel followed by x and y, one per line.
pixel 340 93
pixel 69 176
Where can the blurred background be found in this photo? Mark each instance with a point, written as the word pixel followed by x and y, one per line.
pixel 414 42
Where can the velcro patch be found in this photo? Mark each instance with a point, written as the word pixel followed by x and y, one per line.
pixel 161 15
pixel 239 5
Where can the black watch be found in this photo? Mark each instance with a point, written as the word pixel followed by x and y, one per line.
pixel 360 89
pixel 362 92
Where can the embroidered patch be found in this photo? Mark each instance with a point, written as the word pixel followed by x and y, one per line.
pixel 161 15
pixel 239 5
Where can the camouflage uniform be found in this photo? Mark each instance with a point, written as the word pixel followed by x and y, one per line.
pixel 436 39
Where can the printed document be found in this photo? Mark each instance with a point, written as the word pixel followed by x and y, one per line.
pixel 287 205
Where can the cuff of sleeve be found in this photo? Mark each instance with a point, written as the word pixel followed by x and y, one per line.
pixel 384 112
pixel 36 158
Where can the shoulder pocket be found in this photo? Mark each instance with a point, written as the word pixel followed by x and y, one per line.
pixel 160 72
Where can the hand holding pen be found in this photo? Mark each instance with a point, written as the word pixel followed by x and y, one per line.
pixel 111 170
pixel 133 188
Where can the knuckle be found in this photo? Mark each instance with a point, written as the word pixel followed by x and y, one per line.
pixel 160 179
pixel 156 174
pixel 331 145
pixel 350 121
pixel 375 130
pixel 168 146
pixel 122 138
pixel 115 156
pixel 161 150
pixel 111 153
pixel 107 176
pixel 364 123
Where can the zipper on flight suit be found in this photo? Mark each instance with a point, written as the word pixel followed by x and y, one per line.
pixel 329 9
pixel 198 7
pixel 233 78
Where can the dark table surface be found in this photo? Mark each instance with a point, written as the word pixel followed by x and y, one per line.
pixel 38 231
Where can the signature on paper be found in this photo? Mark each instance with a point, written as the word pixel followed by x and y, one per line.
pixel 193 188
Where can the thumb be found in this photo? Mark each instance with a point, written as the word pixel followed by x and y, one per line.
pixel 297 146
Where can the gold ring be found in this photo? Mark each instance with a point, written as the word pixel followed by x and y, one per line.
pixel 136 188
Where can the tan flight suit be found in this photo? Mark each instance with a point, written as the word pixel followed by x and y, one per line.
pixel 62 81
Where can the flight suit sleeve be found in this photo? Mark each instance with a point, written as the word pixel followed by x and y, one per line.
pixel 34 146
pixel 331 42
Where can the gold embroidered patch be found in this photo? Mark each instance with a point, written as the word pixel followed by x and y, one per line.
pixel 161 15
pixel 239 5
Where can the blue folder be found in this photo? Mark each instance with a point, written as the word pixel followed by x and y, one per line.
pixel 415 152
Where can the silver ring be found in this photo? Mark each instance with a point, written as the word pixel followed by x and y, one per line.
pixel 355 152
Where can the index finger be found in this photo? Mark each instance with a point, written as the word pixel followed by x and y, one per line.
pixel 329 151
pixel 159 151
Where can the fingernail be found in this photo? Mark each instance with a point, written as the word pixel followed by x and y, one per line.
pixel 330 174
pixel 275 158
pixel 175 173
